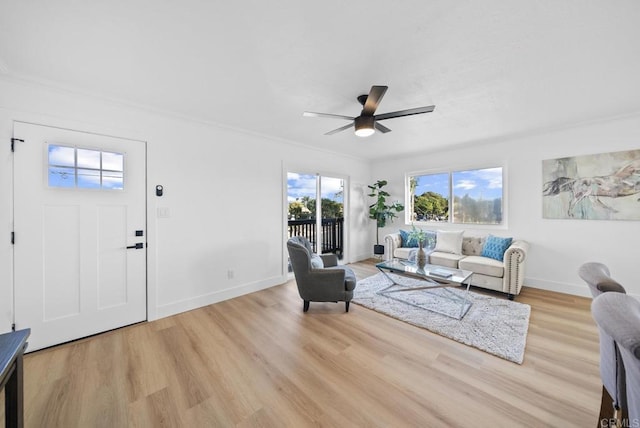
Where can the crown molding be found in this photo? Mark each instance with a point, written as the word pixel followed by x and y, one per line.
pixel 31 81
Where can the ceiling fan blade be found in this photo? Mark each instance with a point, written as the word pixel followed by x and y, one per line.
pixel 342 128
pixel 332 116
pixel 382 128
pixel 373 99
pixel 408 112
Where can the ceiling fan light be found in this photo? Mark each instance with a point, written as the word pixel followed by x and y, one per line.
pixel 364 126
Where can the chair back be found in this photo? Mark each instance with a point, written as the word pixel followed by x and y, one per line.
pixel 618 315
pixel 598 278
pixel 300 251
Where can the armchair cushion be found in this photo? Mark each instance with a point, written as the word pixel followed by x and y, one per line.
pixel 329 260
pixel 316 261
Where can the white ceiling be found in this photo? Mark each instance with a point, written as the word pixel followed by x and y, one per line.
pixel 492 68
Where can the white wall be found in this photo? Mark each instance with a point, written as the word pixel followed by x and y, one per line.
pixel 558 247
pixel 223 189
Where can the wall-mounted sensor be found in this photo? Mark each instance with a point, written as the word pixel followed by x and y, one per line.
pixel 158 190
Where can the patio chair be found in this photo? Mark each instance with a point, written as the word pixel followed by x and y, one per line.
pixel 319 278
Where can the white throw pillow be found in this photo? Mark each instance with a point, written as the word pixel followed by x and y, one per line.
pixel 449 241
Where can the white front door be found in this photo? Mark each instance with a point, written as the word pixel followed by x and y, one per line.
pixel 79 211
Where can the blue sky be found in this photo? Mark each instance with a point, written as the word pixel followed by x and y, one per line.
pixel 478 183
pixel 300 185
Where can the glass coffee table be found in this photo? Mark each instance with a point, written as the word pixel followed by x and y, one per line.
pixel 431 277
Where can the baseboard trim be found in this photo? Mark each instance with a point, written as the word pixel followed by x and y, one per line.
pixel 361 257
pixel 215 297
pixel 560 287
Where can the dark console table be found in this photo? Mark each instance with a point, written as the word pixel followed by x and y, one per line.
pixel 12 346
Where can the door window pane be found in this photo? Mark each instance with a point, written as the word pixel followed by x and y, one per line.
pixel 89 178
pixel 88 159
pixel 332 193
pixel 84 168
pixel 113 161
pixel 62 177
pixel 112 180
pixel 62 156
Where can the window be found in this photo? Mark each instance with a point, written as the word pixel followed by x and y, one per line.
pixel 473 196
pixel 430 197
pixel 73 167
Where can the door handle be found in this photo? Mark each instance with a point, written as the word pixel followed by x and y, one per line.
pixel 137 246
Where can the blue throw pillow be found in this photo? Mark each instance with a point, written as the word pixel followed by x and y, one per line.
pixel 494 247
pixel 316 262
pixel 406 242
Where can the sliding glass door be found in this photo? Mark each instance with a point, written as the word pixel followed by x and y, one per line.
pixel 308 195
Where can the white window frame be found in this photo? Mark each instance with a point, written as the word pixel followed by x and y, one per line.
pixel 450 171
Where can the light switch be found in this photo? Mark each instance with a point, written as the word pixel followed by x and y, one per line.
pixel 163 212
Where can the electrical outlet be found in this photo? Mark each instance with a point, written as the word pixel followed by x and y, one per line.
pixel 229 274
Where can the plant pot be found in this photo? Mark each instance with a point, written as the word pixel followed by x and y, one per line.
pixel 378 250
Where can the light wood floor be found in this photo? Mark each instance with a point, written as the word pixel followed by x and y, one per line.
pixel 258 360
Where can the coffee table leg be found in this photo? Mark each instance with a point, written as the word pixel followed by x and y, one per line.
pixel 465 299
pixel 390 279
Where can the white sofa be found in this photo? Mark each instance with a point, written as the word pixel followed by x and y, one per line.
pixel 506 276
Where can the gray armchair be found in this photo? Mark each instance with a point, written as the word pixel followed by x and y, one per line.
pixel 598 278
pixel 319 278
pixel 618 316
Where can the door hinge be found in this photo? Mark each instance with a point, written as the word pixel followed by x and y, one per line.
pixel 13 237
pixel 13 141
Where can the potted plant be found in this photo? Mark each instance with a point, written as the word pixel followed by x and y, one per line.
pixel 420 236
pixel 381 212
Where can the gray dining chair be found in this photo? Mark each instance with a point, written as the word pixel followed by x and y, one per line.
pixel 598 278
pixel 618 316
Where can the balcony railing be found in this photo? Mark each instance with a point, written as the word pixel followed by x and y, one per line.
pixel 332 233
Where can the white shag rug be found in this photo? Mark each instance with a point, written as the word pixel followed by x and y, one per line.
pixel 496 326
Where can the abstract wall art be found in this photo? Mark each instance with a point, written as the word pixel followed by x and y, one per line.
pixel 603 186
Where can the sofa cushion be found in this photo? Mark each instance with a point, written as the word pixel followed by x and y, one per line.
pixel 489 282
pixel 449 241
pixel 495 246
pixel 445 259
pixel 482 265
pixel 402 252
pixel 472 245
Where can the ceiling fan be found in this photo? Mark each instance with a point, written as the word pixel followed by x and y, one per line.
pixel 367 122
